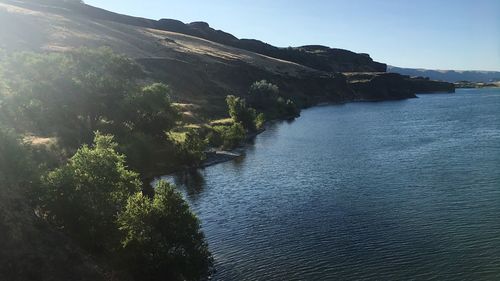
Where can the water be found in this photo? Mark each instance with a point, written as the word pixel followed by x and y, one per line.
pixel 403 190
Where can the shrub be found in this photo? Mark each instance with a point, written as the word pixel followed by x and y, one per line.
pixel 260 120
pixel 227 137
pixel 84 196
pixel 150 110
pixel 241 113
pixel 190 147
pixel 162 237
pixel 263 94
pixel 265 97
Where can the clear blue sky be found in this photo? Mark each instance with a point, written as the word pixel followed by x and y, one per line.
pixel 435 34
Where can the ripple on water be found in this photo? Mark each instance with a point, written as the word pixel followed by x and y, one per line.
pixel 405 190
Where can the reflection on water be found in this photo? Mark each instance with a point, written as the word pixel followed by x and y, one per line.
pixel 191 180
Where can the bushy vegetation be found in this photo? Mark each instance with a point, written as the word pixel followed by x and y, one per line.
pixel 85 184
pixel 97 201
pixel 227 137
pixel 263 94
pixel 69 96
pixel 84 196
pixel 265 97
pixel 241 113
pixel 95 186
pixel 162 238
pixel 190 147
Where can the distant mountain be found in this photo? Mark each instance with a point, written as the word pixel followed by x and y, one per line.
pixel 448 75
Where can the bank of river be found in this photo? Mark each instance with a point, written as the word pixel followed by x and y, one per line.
pixel 394 190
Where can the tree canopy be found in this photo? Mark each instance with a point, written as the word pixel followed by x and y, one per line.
pixel 163 238
pixel 241 113
pixel 85 195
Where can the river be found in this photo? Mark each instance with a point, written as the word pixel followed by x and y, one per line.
pixel 398 190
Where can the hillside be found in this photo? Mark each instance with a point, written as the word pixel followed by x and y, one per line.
pixel 200 71
pixel 449 75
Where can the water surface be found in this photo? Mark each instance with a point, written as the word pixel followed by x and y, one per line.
pixel 400 190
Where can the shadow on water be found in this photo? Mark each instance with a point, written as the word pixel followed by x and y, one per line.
pixel 193 181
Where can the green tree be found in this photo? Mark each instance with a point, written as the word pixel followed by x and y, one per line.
pixel 162 237
pixel 287 108
pixel 69 95
pixel 263 94
pixel 150 110
pixel 241 113
pixel 260 120
pixel 84 196
pixel 265 97
pixel 191 149
pixel 227 136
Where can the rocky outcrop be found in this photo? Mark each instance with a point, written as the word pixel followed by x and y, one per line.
pixel 379 86
pixel 422 85
pixel 390 86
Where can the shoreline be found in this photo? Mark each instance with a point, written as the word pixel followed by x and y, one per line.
pixel 219 156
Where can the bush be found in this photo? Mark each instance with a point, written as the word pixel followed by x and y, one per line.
pixel 162 237
pixel 72 95
pixel 260 120
pixel 287 108
pixel 265 97
pixel 227 137
pixel 263 94
pixel 240 113
pixel 150 110
pixel 84 196
pixel 190 147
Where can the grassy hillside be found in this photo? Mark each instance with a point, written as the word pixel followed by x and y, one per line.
pixel 199 71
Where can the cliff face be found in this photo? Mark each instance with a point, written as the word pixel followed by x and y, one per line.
pixel 424 85
pixel 390 86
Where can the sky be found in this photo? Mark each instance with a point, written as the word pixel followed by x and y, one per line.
pixel 432 34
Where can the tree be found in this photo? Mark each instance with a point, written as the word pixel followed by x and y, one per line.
pixel 265 97
pixel 162 237
pixel 150 110
pixel 287 108
pixel 190 147
pixel 72 95
pixel 84 196
pixel 227 136
pixel 69 95
pixel 263 94
pixel 241 113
